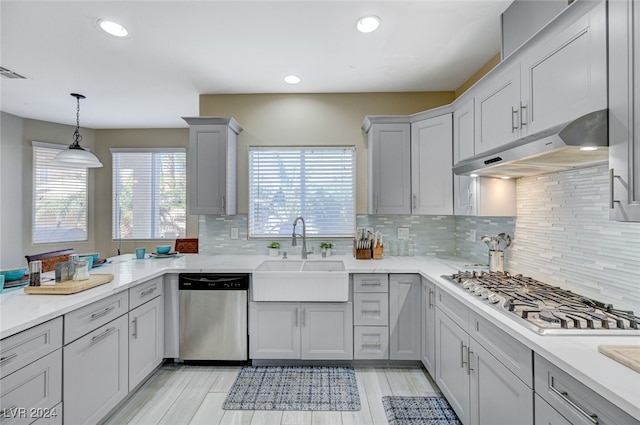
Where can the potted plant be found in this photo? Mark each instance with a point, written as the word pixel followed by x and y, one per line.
pixel 274 247
pixel 326 248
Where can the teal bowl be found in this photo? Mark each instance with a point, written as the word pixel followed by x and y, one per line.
pixel 13 274
pixel 94 255
pixel 88 259
pixel 163 249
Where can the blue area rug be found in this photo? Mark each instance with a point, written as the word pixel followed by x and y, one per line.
pixel 294 388
pixel 419 411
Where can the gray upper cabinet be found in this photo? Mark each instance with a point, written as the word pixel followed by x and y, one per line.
pixel 389 174
pixel 624 104
pixel 431 161
pixel 212 165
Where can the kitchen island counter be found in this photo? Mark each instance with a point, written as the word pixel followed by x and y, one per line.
pixel 577 355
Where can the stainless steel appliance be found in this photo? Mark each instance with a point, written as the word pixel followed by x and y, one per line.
pixel 546 309
pixel 213 317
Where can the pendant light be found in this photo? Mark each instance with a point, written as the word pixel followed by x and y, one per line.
pixel 76 156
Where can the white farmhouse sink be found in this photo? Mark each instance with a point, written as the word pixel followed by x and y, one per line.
pixel 295 280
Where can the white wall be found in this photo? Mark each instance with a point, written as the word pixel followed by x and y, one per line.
pixel 11 216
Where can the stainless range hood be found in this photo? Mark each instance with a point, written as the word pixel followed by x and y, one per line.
pixel 558 148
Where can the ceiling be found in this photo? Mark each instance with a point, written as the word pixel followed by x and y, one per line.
pixel 177 50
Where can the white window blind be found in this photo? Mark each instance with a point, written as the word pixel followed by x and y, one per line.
pixel 317 183
pixel 59 198
pixel 149 193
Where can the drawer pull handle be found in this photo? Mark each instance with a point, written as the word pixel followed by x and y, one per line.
pixel 371 283
pixel 371 312
pixel 107 310
pixel 371 344
pixel 103 334
pixel 593 418
pixel 9 357
pixel 148 291
pixel 8 412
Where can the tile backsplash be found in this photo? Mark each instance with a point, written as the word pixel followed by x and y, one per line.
pixel 562 235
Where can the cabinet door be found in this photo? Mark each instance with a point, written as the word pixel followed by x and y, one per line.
pixel 497 109
pixel 431 161
pixel 274 330
pixel 464 131
pixel 389 169
pixel 429 326
pixel 35 386
pixel 212 169
pixel 327 331
pixel 464 189
pixel 404 317
pixel 547 415
pixel 624 104
pixel 146 340
pixel 498 397
pixel 566 76
pixel 96 373
pixel 451 367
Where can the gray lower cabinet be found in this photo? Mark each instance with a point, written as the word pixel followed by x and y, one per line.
pixel 96 373
pixel 571 400
pixel 33 391
pixel 371 342
pixel 547 415
pixel 318 331
pixel 487 382
pixel 404 317
pixel 428 311
pixel 146 340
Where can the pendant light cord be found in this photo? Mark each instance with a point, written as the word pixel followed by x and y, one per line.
pixel 77 137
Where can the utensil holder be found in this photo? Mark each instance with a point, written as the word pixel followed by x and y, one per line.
pixel 496 261
pixel 361 254
pixel 377 252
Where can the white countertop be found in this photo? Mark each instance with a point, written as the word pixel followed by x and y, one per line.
pixel 577 355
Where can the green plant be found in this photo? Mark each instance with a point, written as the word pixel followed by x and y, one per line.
pixel 326 245
pixel 274 245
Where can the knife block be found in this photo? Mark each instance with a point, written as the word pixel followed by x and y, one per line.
pixel 377 252
pixel 361 254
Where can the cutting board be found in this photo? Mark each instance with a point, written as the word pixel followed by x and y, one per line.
pixel 628 355
pixel 70 286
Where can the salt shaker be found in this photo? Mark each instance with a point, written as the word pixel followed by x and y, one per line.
pixel 35 270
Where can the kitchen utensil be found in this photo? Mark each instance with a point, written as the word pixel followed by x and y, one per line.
pixel 35 269
pixel 82 270
pixel 628 355
pixel 70 286
pixel 496 260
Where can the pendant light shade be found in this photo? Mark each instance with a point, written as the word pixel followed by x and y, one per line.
pixel 76 156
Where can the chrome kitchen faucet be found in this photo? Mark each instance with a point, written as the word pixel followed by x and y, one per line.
pixel 294 242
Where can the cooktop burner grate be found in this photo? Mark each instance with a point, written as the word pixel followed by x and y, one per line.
pixel 544 308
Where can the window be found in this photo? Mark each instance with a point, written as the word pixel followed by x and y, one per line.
pixel 317 183
pixel 149 193
pixel 59 198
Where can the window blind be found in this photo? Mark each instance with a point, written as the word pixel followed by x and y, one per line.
pixel 60 198
pixel 317 183
pixel 149 193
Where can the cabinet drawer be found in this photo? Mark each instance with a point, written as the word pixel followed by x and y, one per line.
pixel 144 292
pixel 371 309
pixel 25 347
pixel 370 342
pixel 453 308
pixel 510 352
pixel 92 316
pixel 574 400
pixel 31 389
pixel 370 283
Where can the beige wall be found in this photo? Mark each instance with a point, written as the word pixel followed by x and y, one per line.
pixel 132 138
pixel 479 74
pixel 312 119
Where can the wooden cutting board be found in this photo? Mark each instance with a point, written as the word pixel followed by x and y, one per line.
pixel 628 355
pixel 70 286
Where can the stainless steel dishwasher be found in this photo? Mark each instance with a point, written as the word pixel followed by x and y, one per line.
pixel 213 317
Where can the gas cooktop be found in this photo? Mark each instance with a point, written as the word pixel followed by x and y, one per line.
pixel 546 309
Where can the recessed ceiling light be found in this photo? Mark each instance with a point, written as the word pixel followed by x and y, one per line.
pixel 589 148
pixel 368 24
pixel 473 175
pixel 505 177
pixel 112 28
pixel 291 79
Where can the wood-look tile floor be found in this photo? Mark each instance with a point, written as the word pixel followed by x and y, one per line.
pixel 193 395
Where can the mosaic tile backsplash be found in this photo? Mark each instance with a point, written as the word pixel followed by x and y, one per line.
pixel 562 235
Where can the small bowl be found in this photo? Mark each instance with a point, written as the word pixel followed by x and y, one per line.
pixel 13 274
pixel 95 255
pixel 89 259
pixel 163 249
